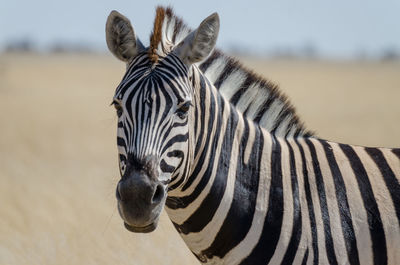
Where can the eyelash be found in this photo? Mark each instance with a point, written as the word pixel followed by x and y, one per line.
pixel 117 107
pixel 183 109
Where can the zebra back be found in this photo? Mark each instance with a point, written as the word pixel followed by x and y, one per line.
pixel 255 97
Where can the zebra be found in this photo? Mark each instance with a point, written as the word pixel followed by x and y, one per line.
pixel 223 151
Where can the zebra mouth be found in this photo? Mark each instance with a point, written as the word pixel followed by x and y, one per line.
pixel 141 229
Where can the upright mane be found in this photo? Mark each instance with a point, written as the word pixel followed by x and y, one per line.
pixel 255 97
pixel 156 34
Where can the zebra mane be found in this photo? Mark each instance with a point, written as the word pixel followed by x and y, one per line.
pixel 255 97
pixel 156 34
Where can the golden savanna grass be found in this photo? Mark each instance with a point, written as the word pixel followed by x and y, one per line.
pixel 58 156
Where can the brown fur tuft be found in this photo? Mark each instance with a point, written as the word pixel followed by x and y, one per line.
pixel 155 37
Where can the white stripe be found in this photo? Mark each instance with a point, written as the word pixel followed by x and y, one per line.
pixel 292 131
pixel 179 216
pixel 253 97
pixel 332 203
pixel 283 126
pixel 232 84
pixel 322 255
pixel 244 248
pixel 358 213
pixel 250 142
pixel 194 184
pixel 203 239
pixel 287 221
pixel 215 69
pixel 385 206
pixel 305 240
pixel 269 118
pixel 394 163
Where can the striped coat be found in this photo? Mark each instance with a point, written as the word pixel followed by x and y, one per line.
pixel 246 182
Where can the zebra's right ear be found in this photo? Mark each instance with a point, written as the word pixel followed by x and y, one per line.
pixel 199 43
pixel 120 37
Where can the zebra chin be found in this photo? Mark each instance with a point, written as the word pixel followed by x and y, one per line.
pixel 146 229
pixel 139 220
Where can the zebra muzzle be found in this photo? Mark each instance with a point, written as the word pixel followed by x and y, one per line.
pixel 140 201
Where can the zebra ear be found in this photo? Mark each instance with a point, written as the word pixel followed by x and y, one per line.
pixel 199 43
pixel 120 37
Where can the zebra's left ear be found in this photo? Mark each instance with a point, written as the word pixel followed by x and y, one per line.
pixel 121 38
pixel 199 43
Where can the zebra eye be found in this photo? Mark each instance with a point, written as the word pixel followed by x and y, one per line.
pixel 183 109
pixel 117 107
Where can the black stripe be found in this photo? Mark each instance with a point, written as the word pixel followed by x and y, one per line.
pixel 265 248
pixel 305 258
pixel 126 134
pixel 246 84
pixel 165 128
pixel 130 98
pixel 264 108
pixel 176 154
pixel 310 206
pixel 176 139
pixel 184 173
pixel 207 63
pixel 147 121
pixel 297 219
pixel 200 120
pixel 166 77
pixel 344 208
pixel 130 80
pixel 157 110
pixel 297 132
pixel 211 142
pixel 396 151
pixel 138 62
pixel 122 158
pixel 283 114
pixel 289 128
pixel 330 251
pixel 370 205
pixel 391 181
pixel 165 167
pixel 241 212
pixel 177 63
pixel 173 64
pixel 228 70
pixel 121 142
pixel 177 184
pixel 143 123
pixel 206 211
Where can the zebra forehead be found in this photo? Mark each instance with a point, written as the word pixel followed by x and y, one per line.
pixel 151 85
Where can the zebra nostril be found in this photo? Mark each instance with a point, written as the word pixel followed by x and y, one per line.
pixel 158 194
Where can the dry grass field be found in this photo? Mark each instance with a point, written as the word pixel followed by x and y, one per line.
pixel 58 157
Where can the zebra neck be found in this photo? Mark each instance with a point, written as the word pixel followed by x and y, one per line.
pixel 215 122
pixel 222 191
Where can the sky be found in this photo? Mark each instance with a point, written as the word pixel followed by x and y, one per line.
pixel 340 28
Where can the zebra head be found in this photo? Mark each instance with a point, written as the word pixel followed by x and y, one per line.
pixel 154 104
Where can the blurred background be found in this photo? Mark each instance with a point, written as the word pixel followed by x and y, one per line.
pixel 338 62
